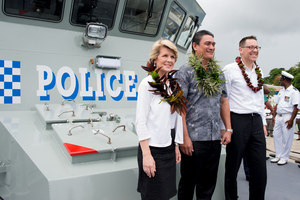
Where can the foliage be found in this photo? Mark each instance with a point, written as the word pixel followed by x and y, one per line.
pixel 295 71
pixel 274 73
pixel 273 78
pixel 272 92
pixel 276 81
pixel 172 94
pixel 296 81
pixel 208 80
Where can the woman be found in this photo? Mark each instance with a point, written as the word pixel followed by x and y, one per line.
pixel 159 131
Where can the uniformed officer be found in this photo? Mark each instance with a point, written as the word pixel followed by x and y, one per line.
pixel 284 116
pixel 298 122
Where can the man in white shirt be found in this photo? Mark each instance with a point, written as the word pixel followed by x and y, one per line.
pixel 246 100
pixel 298 122
pixel 285 114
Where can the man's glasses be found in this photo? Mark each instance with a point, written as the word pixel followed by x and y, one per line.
pixel 252 47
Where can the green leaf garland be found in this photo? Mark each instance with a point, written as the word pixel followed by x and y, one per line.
pixel 208 81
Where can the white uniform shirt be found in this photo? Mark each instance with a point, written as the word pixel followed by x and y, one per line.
pixel 298 115
pixel 286 99
pixel 154 120
pixel 242 100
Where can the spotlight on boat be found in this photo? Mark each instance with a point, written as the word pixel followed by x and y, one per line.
pixel 94 34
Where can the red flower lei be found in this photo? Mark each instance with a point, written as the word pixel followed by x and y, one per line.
pixel 247 79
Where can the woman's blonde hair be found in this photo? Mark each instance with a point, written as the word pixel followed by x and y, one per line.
pixel 162 43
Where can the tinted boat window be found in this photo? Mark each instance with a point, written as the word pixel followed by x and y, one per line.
pixel 102 11
pixel 35 9
pixel 190 28
pixel 174 22
pixel 142 16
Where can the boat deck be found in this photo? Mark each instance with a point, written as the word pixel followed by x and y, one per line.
pixel 283 182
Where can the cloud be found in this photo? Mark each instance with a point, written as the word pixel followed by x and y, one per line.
pixel 275 23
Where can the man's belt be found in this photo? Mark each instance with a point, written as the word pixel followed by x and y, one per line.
pixel 251 114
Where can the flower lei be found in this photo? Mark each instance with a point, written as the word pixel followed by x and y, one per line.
pixel 176 98
pixel 207 80
pixel 247 79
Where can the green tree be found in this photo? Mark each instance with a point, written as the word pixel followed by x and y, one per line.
pixel 273 74
pixel 276 80
pixel 295 71
pixel 296 81
pixel 272 92
pixel 273 78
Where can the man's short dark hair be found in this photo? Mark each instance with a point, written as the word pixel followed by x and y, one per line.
pixel 243 41
pixel 198 37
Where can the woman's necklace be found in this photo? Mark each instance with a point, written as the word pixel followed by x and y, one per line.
pixel 208 80
pixel 175 97
pixel 247 79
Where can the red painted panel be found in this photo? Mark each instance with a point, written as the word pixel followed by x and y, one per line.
pixel 75 150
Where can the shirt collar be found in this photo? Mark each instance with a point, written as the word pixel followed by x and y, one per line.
pixel 247 69
pixel 289 88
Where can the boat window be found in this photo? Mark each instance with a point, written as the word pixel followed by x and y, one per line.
pixel 35 9
pixel 174 22
pixel 190 28
pixel 102 11
pixel 143 16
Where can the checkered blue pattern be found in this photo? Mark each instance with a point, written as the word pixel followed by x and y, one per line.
pixel 10 82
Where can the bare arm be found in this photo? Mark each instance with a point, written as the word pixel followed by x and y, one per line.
pixel 178 154
pixel 225 115
pixel 269 106
pixel 266 89
pixel 148 161
pixel 265 131
pixel 274 114
pixel 187 146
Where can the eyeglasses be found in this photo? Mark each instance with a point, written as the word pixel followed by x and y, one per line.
pixel 252 47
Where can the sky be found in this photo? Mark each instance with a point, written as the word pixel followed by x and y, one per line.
pixel 275 23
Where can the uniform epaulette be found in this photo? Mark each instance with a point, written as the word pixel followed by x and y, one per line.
pixel 295 89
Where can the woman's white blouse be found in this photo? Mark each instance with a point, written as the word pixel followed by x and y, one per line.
pixel 154 120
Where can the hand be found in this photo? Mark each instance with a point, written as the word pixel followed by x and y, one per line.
pixel 265 130
pixel 177 154
pixel 222 132
pixel 225 137
pixel 187 146
pixel 289 124
pixel 149 165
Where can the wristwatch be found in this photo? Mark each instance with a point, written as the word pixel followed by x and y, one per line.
pixel 229 130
